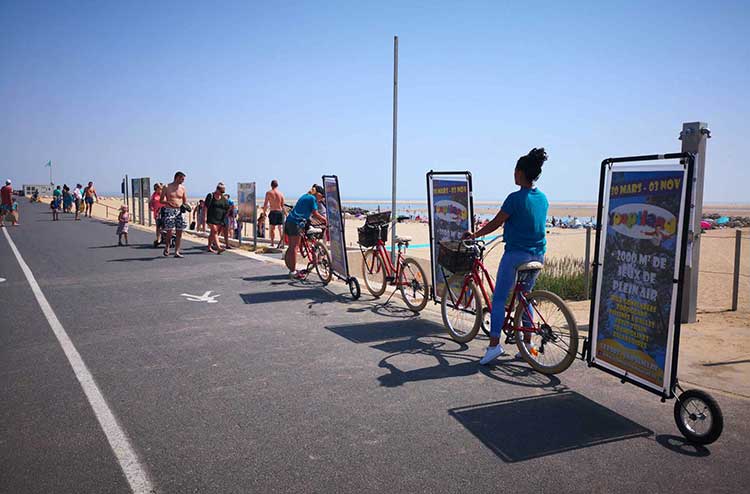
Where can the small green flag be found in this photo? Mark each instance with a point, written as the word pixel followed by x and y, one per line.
pixel 49 164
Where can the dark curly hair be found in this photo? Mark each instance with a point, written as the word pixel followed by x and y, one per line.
pixel 531 164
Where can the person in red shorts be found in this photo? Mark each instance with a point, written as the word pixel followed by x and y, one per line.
pixel 6 202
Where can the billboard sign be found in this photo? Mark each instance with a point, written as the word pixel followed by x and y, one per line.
pixel 451 213
pixel 335 219
pixel 639 257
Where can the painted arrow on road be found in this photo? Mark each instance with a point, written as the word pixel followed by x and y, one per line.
pixel 206 297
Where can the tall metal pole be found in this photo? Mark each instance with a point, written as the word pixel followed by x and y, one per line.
pixel 694 136
pixel 736 277
pixel 395 135
pixel 50 174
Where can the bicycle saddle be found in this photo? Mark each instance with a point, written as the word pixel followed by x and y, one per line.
pixel 402 239
pixel 314 231
pixel 530 266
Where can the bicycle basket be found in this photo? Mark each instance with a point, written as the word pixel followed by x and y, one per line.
pixel 455 257
pixel 369 234
pixel 378 218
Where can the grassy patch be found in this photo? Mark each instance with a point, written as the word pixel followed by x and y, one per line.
pixel 564 277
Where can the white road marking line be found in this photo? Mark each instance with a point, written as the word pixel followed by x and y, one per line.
pixel 2 279
pixel 126 456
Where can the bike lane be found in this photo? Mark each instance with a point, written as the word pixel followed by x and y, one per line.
pixel 50 439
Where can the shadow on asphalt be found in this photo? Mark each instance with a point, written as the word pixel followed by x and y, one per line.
pixel 267 277
pixel 452 362
pixel 318 296
pixel 386 330
pixel 680 445
pixel 545 425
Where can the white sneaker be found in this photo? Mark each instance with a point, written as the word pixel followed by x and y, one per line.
pixel 492 353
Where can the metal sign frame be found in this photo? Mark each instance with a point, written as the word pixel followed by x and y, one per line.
pixel 631 163
pixel 252 186
pixel 341 219
pixel 431 175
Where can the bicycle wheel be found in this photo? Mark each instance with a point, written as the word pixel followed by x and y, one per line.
pixel 373 272
pixel 322 262
pixel 553 345
pixel 413 285
pixel 461 320
pixel 698 417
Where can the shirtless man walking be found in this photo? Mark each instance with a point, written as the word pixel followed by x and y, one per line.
pixel 275 200
pixel 89 195
pixel 173 197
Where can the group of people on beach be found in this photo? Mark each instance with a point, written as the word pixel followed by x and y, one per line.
pixel 169 205
pixel 81 197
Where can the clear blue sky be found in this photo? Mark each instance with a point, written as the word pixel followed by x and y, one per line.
pixel 246 91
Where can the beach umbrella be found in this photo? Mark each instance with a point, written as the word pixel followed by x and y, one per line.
pixel 723 220
pixel 705 225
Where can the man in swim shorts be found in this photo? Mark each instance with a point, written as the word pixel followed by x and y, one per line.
pixel 275 201
pixel 89 195
pixel 173 198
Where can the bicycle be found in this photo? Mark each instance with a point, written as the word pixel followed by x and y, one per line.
pixel 378 271
pixel 312 248
pixel 538 322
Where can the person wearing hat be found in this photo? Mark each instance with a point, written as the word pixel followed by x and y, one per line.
pixel 306 206
pixel 6 204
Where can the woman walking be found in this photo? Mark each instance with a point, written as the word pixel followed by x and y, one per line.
pixel 216 210
pixel 155 205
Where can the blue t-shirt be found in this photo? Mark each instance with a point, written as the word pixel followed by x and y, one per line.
pixel 525 228
pixel 303 209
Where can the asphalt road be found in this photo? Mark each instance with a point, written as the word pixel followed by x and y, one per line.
pixel 284 386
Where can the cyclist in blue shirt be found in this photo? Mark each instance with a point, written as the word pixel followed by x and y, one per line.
pixel 306 206
pixel 524 216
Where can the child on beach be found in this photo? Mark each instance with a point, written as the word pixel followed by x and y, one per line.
pixel 122 225
pixel 55 207
pixel 262 225
pixel 524 216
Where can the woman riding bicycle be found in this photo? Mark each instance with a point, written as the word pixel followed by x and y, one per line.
pixel 306 206
pixel 524 214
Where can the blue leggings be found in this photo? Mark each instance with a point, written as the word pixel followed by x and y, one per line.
pixel 504 282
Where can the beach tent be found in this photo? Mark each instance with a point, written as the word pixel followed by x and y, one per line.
pixel 705 225
pixel 722 221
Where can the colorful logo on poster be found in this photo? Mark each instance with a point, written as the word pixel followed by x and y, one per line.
pixel 643 221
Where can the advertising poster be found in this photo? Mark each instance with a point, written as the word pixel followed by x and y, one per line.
pixel 451 214
pixel 246 201
pixel 335 226
pixel 636 291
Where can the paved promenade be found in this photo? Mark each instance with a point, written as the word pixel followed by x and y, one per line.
pixel 219 374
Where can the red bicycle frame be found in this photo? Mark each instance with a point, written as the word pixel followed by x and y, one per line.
pixel 478 271
pixel 385 260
